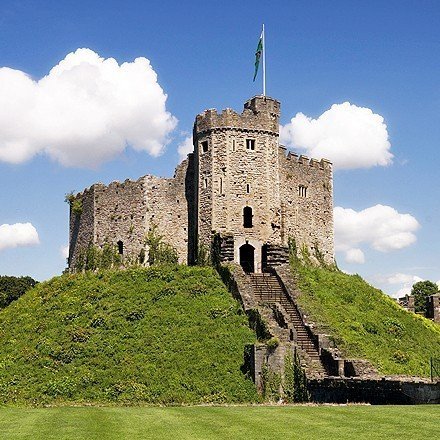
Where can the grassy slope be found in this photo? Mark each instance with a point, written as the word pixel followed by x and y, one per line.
pixel 301 422
pixel 367 323
pixel 159 335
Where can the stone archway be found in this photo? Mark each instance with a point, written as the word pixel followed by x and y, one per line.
pixel 247 258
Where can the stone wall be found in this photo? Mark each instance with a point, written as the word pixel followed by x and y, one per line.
pixel 241 164
pixel 237 164
pixel 375 391
pixel 120 216
pixel 234 175
pixel 307 204
pixel 167 203
pixel 82 226
pixel 124 212
pixel 433 307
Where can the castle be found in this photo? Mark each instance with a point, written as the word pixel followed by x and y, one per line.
pixel 239 185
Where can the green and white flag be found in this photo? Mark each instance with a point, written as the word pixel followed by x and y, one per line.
pixel 258 53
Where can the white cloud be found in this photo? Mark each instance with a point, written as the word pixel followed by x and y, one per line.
pixel 64 251
pixel 84 112
pixel 185 147
pixel 354 256
pixel 380 227
pixel 18 235
pixel 403 278
pixel 405 281
pixel 349 136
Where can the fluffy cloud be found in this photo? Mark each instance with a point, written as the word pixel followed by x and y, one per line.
pixel 185 147
pixel 355 256
pixel 406 282
pixel 84 112
pixel 349 136
pixel 18 235
pixel 380 227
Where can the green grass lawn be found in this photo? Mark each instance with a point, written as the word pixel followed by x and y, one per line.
pixel 178 423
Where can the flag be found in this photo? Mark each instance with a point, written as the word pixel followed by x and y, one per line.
pixel 258 54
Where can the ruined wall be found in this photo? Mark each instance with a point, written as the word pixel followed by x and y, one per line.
pixel 307 203
pixel 120 216
pixel 433 307
pixel 82 226
pixel 166 203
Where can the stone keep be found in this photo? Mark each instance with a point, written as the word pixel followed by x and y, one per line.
pixel 238 186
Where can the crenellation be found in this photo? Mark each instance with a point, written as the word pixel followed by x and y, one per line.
pixel 239 182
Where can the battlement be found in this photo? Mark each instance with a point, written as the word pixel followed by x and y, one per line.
pixel 238 180
pixel 260 113
pixel 113 185
pixel 293 159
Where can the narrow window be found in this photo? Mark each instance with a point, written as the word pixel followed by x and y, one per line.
pixel 204 146
pixel 233 145
pixel 248 188
pixel 120 247
pixel 221 185
pixel 250 144
pixel 205 183
pixel 247 217
pixel 302 191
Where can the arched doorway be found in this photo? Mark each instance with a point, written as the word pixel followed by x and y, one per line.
pixel 247 257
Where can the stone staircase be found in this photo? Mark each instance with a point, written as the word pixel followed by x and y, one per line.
pixel 268 290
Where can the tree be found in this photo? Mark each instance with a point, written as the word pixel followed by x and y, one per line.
pixel 11 288
pixel 421 290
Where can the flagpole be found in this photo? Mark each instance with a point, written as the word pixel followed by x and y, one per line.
pixel 264 63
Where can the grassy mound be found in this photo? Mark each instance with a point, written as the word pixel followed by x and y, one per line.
pixel 156 335
pixel 366 323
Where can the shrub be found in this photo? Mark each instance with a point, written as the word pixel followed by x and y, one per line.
pixel 271 384
pixel 159 252
pixel 400 357
pixel 11 288
pixel 272 343
pixel 75 203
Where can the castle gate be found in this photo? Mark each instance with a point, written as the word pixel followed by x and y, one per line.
pixel 247 252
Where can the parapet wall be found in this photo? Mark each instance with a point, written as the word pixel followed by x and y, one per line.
pixel 306 193
pixel 260 113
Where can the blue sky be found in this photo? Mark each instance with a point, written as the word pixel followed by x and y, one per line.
pixel 383 56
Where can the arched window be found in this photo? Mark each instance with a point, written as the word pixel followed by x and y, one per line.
pixel 247 217
pixel 120 247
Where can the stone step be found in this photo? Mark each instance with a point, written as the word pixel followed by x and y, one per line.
pixel 267 289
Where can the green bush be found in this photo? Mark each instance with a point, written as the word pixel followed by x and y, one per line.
pixel 272 343
pixel 11 288
pixel 159 252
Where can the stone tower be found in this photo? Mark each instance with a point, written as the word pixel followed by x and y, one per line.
pixel 252 194
pixel 239 187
